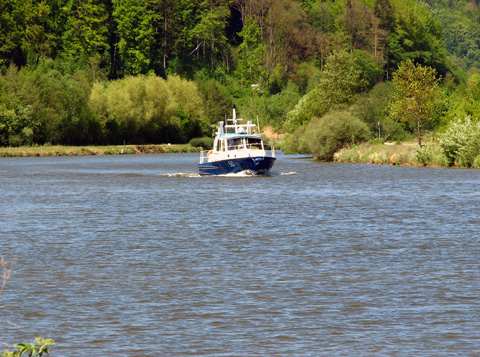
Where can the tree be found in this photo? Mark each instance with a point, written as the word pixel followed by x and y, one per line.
pixel 417 94
pixel 27 31
pixel 461 141
pixel 417 36
pixel 357 18
pixel 250 52
pixel 210 29
pixel 87 28
pixel 135 32
pixel 337 86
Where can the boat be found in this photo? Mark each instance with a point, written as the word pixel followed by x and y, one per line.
pixel 237 148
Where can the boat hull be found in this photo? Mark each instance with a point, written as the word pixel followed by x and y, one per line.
pixel 251 165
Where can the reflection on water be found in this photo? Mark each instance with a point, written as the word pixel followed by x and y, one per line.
pixel 140 256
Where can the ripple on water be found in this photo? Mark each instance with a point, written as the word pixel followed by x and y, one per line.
pixel 137 256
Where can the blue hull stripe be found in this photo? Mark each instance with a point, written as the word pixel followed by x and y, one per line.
pixel 258 165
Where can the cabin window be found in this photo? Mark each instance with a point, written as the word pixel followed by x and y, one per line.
pixel 254 143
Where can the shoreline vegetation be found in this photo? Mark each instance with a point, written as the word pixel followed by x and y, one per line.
pixel 399 154
pixel 396 154
pixel 60 150
pixel 375 152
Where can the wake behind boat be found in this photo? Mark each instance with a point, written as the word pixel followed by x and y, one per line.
pixel 237 147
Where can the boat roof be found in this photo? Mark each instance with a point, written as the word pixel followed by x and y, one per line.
pixel 237 129
pixel 239 135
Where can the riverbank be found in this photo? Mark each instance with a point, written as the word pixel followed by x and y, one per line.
pixel 401 154
pixel 59 150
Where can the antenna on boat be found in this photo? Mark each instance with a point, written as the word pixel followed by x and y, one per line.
pixel 258 125
pixel 234 114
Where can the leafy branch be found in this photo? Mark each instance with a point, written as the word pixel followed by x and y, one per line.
pixel 36 349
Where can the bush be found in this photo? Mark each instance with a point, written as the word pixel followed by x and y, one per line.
pixel 324 136
pixel 205 142
pixel 461 142
pixel 430 155
pixel 295 143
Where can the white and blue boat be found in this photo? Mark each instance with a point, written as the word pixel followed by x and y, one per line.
pixel 238 148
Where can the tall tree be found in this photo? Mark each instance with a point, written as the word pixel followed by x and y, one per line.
pixel 210 28
pixel 10 33
pixel 417 94
pixel 86 29
pixel 337 86
pixel 322 21
pixel 417 36
pixel 250 52
pixel 135 32
pixel 357 18
pixel 27 29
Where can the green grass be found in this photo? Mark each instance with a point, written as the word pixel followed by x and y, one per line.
pixel 402 154
pixel 58 150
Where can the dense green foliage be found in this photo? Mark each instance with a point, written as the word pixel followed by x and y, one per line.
pixel 324 136
pixel 417 95
pixel 461 142
pixel 205 142
pixel 154 71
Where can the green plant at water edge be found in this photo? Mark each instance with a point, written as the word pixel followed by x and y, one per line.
pixel 461 142
pixel 205 142
pixel 36 349
pixel 430 154
pixel 324 136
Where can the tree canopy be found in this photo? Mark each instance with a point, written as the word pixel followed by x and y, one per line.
pixel 417 93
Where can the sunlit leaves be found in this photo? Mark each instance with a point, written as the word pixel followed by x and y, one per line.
pixel 461 141
pixel 417 94
pixel 36 349
pixel 147 108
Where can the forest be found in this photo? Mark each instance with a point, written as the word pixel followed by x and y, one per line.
pixel 326 73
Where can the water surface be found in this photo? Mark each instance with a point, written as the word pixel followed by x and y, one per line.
pixel 139 256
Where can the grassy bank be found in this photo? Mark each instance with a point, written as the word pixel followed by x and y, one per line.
pixel 57 150
pixel 402 154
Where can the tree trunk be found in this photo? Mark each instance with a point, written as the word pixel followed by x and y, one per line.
pixel 419 133
pixel 165 43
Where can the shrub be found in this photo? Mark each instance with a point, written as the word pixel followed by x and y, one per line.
pixel 205 142
pixel 295 143
pixel 333 131
pixel 429 154
pixel 461 142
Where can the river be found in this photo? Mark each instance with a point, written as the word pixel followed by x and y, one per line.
pixel 139 256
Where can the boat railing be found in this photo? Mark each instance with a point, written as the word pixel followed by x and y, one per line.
pixel 268 150
pixel 204 155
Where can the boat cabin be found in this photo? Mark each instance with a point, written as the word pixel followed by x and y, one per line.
pixel 224 143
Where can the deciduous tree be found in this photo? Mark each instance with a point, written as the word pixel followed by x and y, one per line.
pixel 417 93
pixel 250 52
